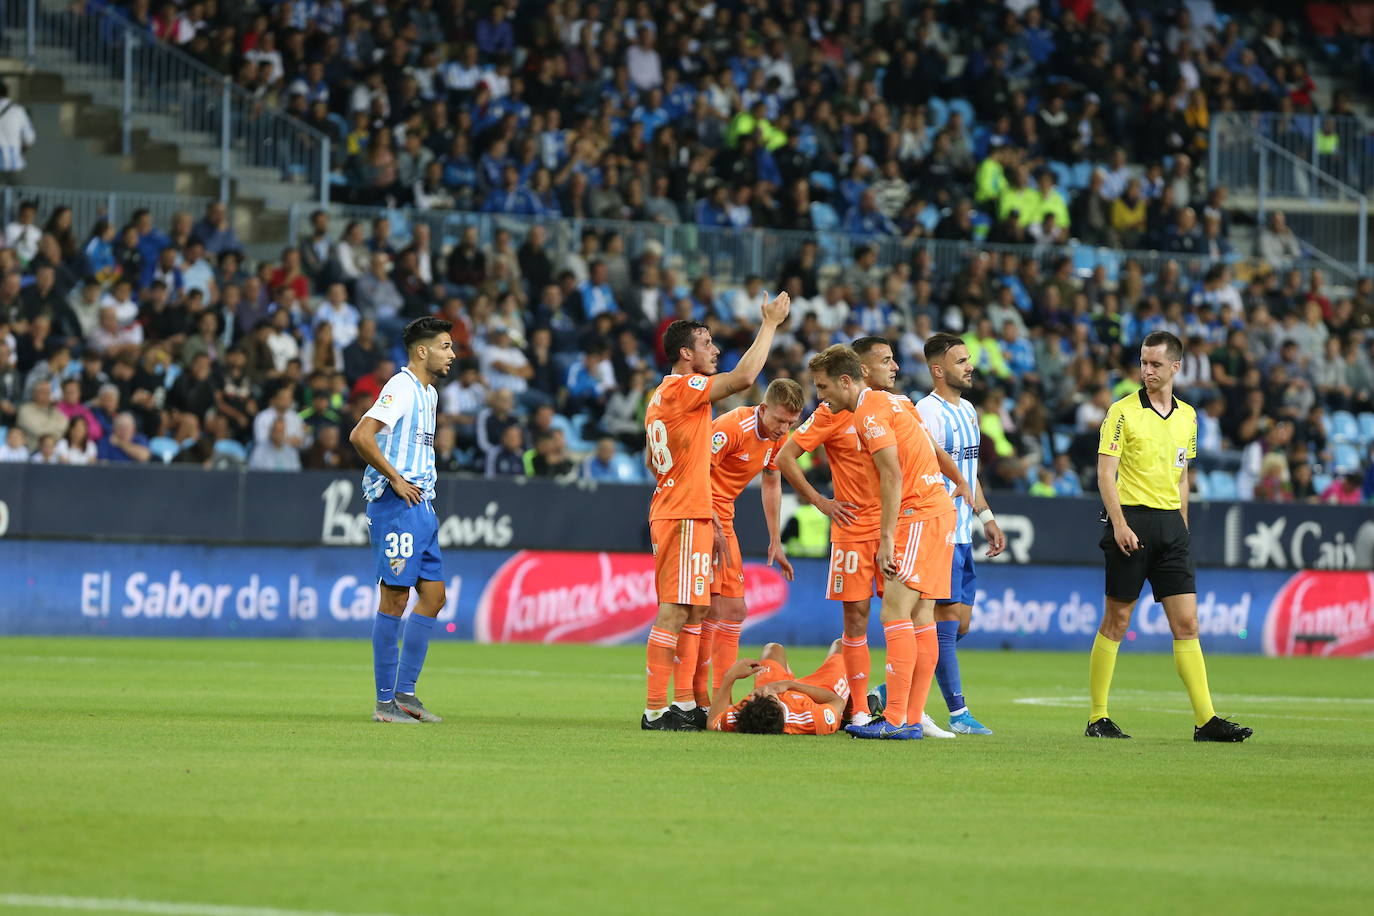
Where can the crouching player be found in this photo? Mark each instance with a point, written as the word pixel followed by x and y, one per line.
pixel 778 704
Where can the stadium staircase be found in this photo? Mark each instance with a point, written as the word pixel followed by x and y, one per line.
pixel 150 118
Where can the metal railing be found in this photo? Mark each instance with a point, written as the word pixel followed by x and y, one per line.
pixel 89 206
pixel 1330 216
pixel 734 254
pixel 173 97
pixel 1342 146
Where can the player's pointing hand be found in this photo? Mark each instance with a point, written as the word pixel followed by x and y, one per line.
pixel 775 312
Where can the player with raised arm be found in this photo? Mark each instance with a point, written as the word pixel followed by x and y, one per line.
pixel 780 704
pixel 396 439
pixel 854 513
pixel 677 426
pixel 916 531
pixel 744 442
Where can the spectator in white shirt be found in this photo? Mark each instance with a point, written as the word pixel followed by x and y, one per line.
pixel 108 337
pixel 13 451
pixel 642 60
pixel 339 314
pixel 281 407
pixel 121 299
pixel 505 365
pixel 76 447
pixel 281 342
pixel 23 234
pixel 16 136
pixel 275 453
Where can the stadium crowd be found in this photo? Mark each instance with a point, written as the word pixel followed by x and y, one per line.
pixel 139 342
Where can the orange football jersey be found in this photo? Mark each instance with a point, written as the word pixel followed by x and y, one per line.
pixel 892 420
pixel 851 470
pixel 738 453
pixel 677 425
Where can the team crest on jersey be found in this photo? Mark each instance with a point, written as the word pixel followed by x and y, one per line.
pixel 698 382
pixel 699 586
pixel 717 442
pixel 397 564
pixel 839 585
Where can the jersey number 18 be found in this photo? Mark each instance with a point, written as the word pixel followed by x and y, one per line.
pixel 658 447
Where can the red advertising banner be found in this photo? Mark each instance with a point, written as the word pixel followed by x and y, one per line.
pixel 556 596
pixel 1322 613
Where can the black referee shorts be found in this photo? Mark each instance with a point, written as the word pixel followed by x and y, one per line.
pixel 1165 556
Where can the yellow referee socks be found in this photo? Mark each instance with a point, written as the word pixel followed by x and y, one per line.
pixel 1101 666
pixel 1193 671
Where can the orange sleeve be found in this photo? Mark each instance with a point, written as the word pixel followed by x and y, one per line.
pixel 827 722
pixel 724 436
pixel 725 722
pixel 815 430
pixel 688 392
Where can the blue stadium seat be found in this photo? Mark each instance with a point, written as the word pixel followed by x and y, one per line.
pixel 824 217
pixel 164 448
pixel 1320 482
pixel 965 108
pixel 1344 428
pixel 170 376
pixel 1345 458
pixel 1062 441
pixel 1366 421
pixel 1203 486
pixel 1223 485
pixel 937 110
pixel 1063 175
pixel 231 448
pixel 624 468
pixel 823 180
pixel 1082 176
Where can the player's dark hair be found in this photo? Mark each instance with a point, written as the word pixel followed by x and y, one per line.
pixel 940 344
pixel 423 329
pixel 678 337
pixel 760 716
pixel 1173 347
pixel 863 345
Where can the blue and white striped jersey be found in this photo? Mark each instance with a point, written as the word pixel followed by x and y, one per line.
pixel 407 410
pixel 955 428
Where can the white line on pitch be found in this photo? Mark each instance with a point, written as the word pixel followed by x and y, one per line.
pixel 162 908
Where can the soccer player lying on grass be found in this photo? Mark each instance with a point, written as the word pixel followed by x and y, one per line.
pixel 778 704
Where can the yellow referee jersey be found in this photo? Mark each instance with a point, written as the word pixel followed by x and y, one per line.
pixel 1153 448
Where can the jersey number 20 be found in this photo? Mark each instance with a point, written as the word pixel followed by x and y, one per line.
pixel 659 455
pixel 400 545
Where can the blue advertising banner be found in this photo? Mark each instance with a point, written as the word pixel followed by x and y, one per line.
pixel 315 508
pixel 562 596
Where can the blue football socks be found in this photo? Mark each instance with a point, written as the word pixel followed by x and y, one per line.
pixel 947 669
pixel 385 653
pixel 414 645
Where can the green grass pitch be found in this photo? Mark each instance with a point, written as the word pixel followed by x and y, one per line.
pixel 246 774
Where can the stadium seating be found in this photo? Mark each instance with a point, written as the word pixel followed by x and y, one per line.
pixel 163 448
pixel 1222 485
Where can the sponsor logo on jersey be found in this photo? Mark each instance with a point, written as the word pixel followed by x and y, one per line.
pixel 1182 458
pixel 386 400
pixel 829 716
pixel 742 456
pixel 807 425
pixel 555 596
pixel 698 382
pixel 1322 613
pixel 717 442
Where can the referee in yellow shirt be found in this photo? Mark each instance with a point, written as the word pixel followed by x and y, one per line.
pixel 1142 473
